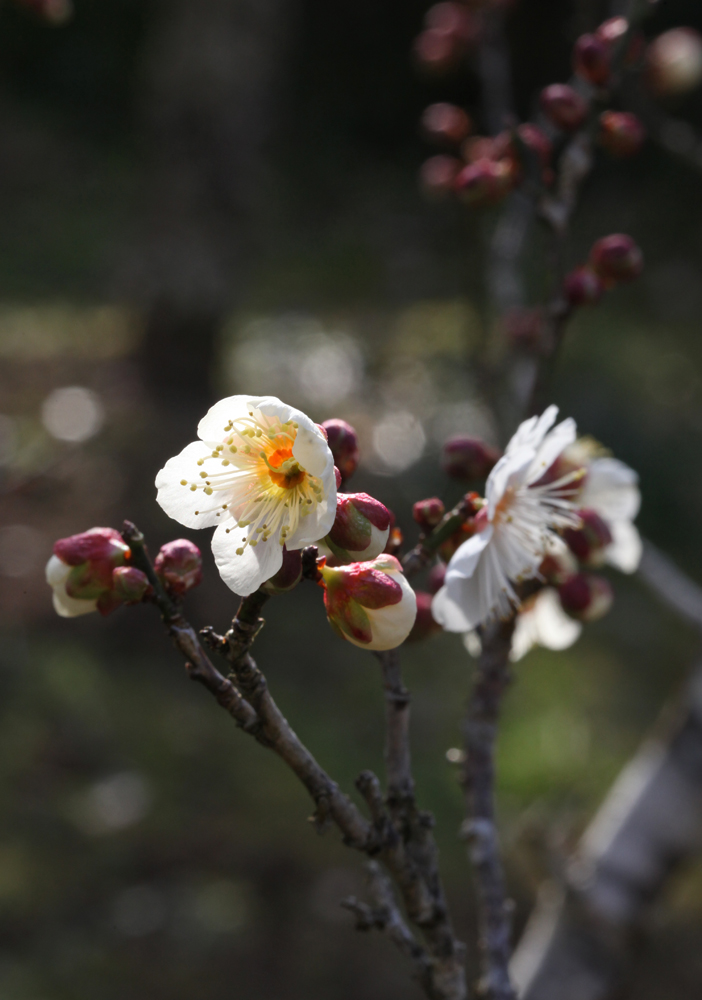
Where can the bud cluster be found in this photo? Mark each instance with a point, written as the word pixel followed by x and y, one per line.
pixel 613 260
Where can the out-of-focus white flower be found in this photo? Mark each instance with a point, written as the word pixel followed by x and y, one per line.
pixel 611 489
pixel 513 529
pixel 543 622
pixel 370 604
pixel 263 474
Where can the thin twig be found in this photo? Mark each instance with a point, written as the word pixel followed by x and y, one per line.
pixel 421 555
pixel 480 735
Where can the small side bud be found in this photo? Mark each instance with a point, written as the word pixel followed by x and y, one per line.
pixel 591 59
pixel 616 258
pixel 437 176
pixel 588 542
pixel 179 566
pixel 130 585
pixel 582 287
pixel 564 106
pixel 343 443
pixel 586 596
pixel 445 124
pixel 485 182
pixel 425 625
pixel 288 576
pixel 674 62
pixel 360 530
pixel 370 604
pixel 621 133
pixel 468 459
pixel 537 141
pixel 428 513
pixel 611 30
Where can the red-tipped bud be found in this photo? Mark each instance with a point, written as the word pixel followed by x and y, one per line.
pixel 616 258
pixel 582 287
pixel 674 62
pixel 591 59
pixel 612 30
pixel 438 174
pixel 468 459
pixel 343 443
pixel 445 124
pixel 485 182
pixel 428 513
pixel 370 604
pixel 524 328
pixel 588 542
pixel 621 133
pixel 586 596
pixel 425 625
pixel 130 585
pixel 80 571
pixel 436 578
pixel 288 576
pixel 360 529
pixel 179 565
pixel 564 106
pixel 537 141
pixel 99 545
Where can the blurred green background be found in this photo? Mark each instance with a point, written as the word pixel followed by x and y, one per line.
pixel 201 197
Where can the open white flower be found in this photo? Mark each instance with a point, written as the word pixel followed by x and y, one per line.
pixel 541 622
pixel 262 472
pixel 611 489
pixel 514 528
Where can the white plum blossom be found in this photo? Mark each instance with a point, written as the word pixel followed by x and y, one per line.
pixel 263 475
pixel 514 528
pixel 543 622
pixel 611 489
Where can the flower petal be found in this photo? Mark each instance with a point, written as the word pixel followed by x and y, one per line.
pixel 319 522
pixel 553 444
pixel 626 549
pixel 56 572
pixel 531 432
pixel 246 572
pixel 512 466
pixel 71 607
pixel 189 507
pixel 212 426
pixel 458 609
pixel 465 559
pixel 611 488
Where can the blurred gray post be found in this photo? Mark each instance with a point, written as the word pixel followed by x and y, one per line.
pixel 211 75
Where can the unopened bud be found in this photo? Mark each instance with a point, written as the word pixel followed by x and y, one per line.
pixel 179 565
pixel 591 59
pixel 438 174
pixel 80 571
pixel 446 124
pixel 370 604
pixel 428 513
pixel 360 529
pixel 450 31
pixel 468 459
pixel 288 576
pixel 588 542
pixel 343 444
pixel 485 182
pixel 674 62
pixel 130 585
pixel 537 141
pixel 564 106
pixel 586 596
pixel 437 576
pixel 583 287
pixel 425 625
pixel 482 147
pixel 611 30
pixel 616 258
pixel 621 133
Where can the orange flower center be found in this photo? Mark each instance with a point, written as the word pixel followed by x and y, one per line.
pixel 291 474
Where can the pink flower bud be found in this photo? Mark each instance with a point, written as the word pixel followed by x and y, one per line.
pixel 591 59
pixel 485 182
pixel 436 50
pixel 130 585
pixel 437 576
pixel 565 107
pixel 370 604
pixel 80 570
pixel 674 62
pixel 468 459
pixel 588 542
pixel 428 513
pixel 586 596
pixel 583 287
pixel 343 443
pixel 445 124
pixel 616 258
pixel 288 576
pixel 612 30
pixel 99 545
pixel 360 529
pixel 438 174
pixel 482 147
pixel 621 133
pixel 179 566
pixel 537 141
pixel 425 625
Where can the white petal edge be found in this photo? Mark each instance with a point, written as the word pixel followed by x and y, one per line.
pixel 626 549
pixel 245 573
pixel 552 446
pixel 611 488
pixel 180 502
pixel 391 625
pixel 71 607
pixel 465 559
pixel 211 427
pixel 531 432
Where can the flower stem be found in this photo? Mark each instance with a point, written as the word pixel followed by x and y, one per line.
pixel 480 736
